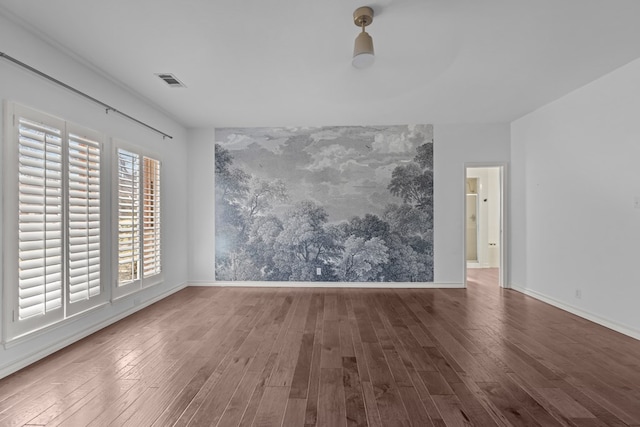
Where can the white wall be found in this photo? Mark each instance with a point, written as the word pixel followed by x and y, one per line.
pixel 201 205
pixel 25 88
pixel 454 146
pixel 576 166
pixel 457 146
pixel 517 212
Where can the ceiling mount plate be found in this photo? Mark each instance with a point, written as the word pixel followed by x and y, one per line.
pixel 363 16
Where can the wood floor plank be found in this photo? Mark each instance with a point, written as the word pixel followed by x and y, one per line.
pixel 510 407
pixel 157 398
pixel 89 408
pixel 346 338
pixel 198 397
pixel 373 415
pixel 250 381
pixel 272 407
pixel 258 393
pixel 435 382
pixel 345 332
pixel 478 407
pixel 289 351
pixel 295 412
pixel 534 403
pixel 366 331
pixel 354 399
pixel 392 411
pixel 124 401
pixel 350 357
pixel 331 399
pixel 204 377
pixel 302 371
pixel 311 411
pixel 451 410
pixel 415 407
pixel 363 370
pixel 445 365
pixel 398 369
pixel 213 406
pixel 599 391
pixel 593 406
pixel 330 357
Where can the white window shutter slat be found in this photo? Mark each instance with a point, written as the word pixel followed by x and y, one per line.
pixel 128 217
pixel 83 217
pixel 151 218
pixel 40 247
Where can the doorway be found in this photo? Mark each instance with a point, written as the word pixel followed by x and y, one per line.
pixel 484 237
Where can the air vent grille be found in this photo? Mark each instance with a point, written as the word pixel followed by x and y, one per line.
pixel 170 79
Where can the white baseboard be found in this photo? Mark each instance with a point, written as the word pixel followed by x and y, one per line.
pixel 40 354
pixel 471 264
pixel 346 285
pixel 607 323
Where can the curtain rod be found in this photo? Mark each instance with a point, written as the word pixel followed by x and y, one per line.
pixel 107 107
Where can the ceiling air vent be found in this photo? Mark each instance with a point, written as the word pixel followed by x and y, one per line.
pixel 171 80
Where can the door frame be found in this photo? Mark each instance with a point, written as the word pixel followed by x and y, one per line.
pixel 504 219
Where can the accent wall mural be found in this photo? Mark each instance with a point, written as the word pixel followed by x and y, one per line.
pixel 346 204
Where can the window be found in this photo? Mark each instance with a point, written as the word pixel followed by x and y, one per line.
pixel 53 229
pixel 138 221
pixel 60 249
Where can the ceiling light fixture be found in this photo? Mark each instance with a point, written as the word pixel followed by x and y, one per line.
pixel 363 55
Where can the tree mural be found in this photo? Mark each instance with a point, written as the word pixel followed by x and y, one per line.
pixel 283 199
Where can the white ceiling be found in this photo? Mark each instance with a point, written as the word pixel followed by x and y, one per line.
pixel 288 62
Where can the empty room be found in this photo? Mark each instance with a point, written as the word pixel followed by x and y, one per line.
pixel 335 213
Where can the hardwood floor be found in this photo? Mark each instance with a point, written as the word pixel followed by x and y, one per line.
pixel 337 357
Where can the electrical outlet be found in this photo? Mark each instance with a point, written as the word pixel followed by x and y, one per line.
pixel 579 293
pixel 318 271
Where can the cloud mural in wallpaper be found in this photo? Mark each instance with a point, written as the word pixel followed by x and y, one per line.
pixel 347 204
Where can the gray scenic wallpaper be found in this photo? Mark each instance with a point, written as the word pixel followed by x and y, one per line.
pixel 346 204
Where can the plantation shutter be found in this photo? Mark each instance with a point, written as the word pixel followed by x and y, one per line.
pixel 128 217
pixel 84 218
pixel 151 218
pixel 52 236
pixel 40 219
